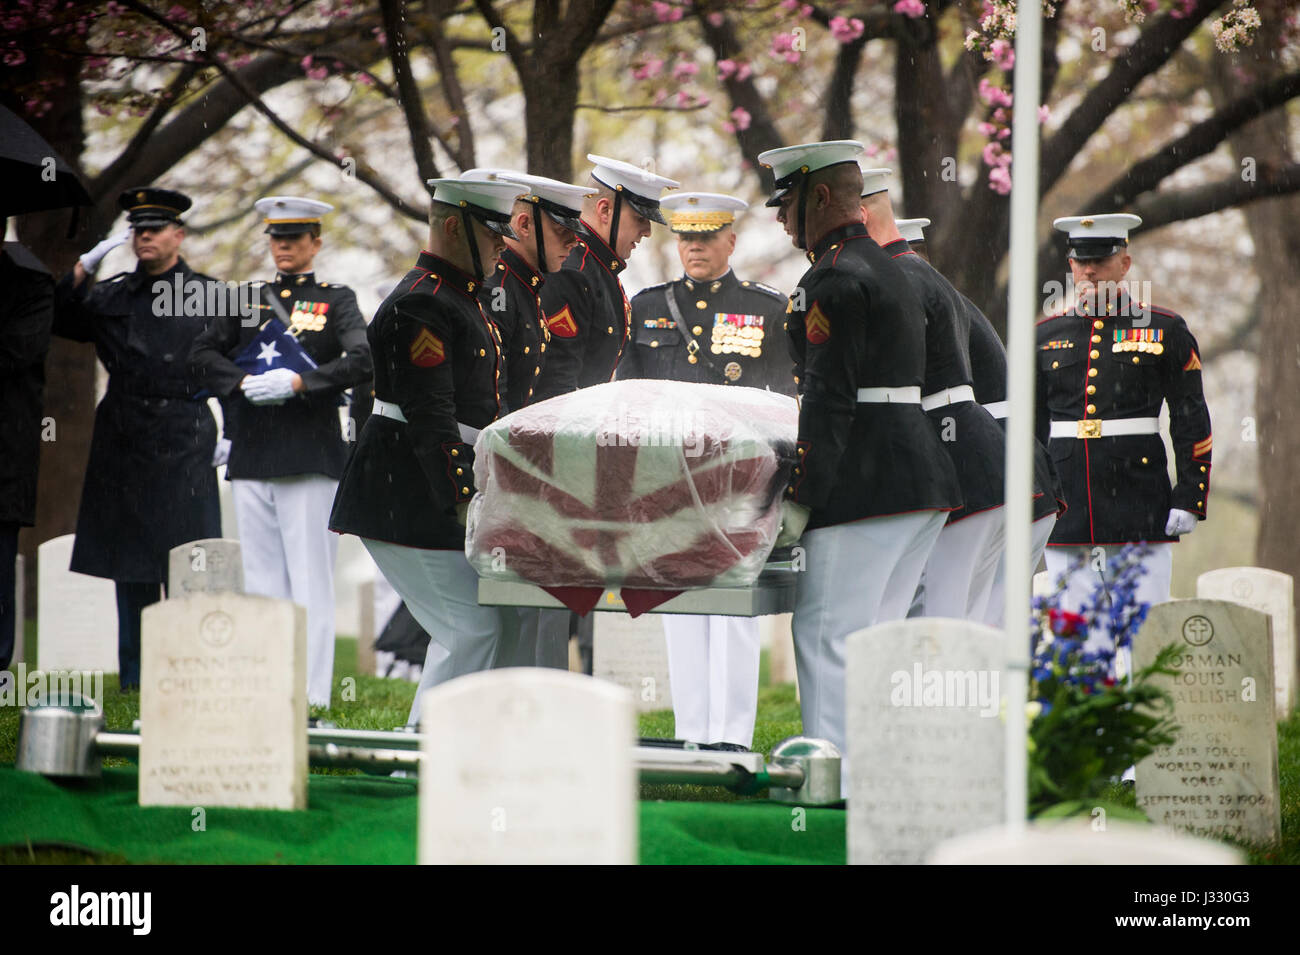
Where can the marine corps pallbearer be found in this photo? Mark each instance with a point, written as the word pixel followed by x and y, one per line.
pixel 710 327
pixel 286 447
pixel 1105 368
pixel 406 490
pixel 873 485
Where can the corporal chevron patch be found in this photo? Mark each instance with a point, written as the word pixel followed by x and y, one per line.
pixel 1193 363
pixel 427 350
pixel 817 326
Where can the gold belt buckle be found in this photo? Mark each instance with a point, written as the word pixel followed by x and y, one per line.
pixel 692 347
pixel 1090 428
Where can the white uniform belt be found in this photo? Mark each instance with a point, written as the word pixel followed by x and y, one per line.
pixel 948 396
pixel 911 395
pixel 997 409
pixel 386 409
pixel 1109 428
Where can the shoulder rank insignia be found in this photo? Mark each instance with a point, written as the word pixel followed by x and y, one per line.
pixel 1193 363
pixel 1150 340
pixel 427 349
pixel 562 324
pixel 817 326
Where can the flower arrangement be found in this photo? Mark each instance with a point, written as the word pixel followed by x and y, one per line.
pixel 1089 722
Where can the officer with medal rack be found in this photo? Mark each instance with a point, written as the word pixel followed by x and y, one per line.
pixel 958 577
pixel 712 328
pixel 547 220
pixel 406 489
pixel 587 314
pixel 873 484
pixel 150 484
pixel 282 422
pixel 1105 368
pixel 988 362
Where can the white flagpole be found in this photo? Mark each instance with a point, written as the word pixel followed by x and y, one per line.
pixel 1022 314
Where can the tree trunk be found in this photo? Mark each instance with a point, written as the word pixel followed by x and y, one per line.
pixel 550 104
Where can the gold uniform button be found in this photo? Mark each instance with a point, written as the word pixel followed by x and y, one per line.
pixel 1096 339
pixel 1136 360
pixel 1094 354
pixel 1092 389
pixel 1145 461
pixel 700 303
pixel 1056 364
pixel 1092 372
pixel 697 330
pixel 537 371
pixel 1098 323
pixel 1201 486
pixel 654 344
pixel 284 293
pixel 542 346
pixel 609 330
pixel 464 490
pixel 455 452
pixel 1202 468
pixel 460 471
pixel 801 450
pixel 525 349
pixel 790 489
pixel 482 352
pixel 1200 503
pixel 1092 409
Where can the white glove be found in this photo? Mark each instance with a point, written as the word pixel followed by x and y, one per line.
pixel 90 261
pixel 221 453
pixel 270 387
pixel 1180 522
pixel 794 518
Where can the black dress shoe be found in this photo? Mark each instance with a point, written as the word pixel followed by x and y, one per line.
pixel 727 747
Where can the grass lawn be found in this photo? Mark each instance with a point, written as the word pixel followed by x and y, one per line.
pixel 375 703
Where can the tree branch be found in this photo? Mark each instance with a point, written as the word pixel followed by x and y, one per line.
pixel 454 93
pixel 1152 50
pixel 839 90
pixel 409 98
pixel 1176 205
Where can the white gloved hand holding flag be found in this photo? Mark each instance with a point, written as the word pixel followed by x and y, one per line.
pixel 270 387
pixel 1180 522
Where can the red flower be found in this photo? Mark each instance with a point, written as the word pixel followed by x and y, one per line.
pixel 1067 624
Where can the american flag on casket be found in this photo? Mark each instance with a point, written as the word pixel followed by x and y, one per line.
pixel 638 484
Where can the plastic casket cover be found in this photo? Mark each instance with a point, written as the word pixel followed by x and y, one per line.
pixel 637 483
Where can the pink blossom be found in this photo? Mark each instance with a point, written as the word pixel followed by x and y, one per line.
pixel 1000 115
pixel 177 12
pixel 1000 180
pixel 365 79
pixel 726 68
pixel 910 8
pixel 790 5
pixel 716 19
pixel 783 46
pixel 683 69
pixel 14 57
pixel 871 149
pixel 846 30
pixel 744 72
pixel 987 129
pixel 1004 132
pixel 728 127
pixel 1182 9
pixel 649 69
pixel 1044 113
pixel 991 153
pixel 993 95
pixel 741 117
pixel 685 98
pixel 319 73
pixel 660 95
pixel 1003 54
pixel 665 13
pixel 890 154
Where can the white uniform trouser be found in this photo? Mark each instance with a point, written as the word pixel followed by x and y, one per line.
pixel 993 613
pixel 543 638
pixel 440 589
pixel 857 575
pixel 1152 587
pixel 288 552
pixel 713 671
pixel 960 571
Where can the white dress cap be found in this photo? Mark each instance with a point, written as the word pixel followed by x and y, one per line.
pixel 913 230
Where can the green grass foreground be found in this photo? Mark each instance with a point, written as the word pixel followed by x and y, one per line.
pixel 373 703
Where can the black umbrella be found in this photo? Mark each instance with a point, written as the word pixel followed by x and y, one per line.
pixel 27 182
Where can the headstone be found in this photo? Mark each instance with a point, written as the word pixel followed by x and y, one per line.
pixel 528 766
pixel 209 566
pixel 20 611
pixel 634 654
pixel 76 614
pixel 1273 593
pixel 925 741
pixel 1220 777
pixel 366 631
pixel 1089 841
pixel 1043 585
pixel 775 631
pixel 223 702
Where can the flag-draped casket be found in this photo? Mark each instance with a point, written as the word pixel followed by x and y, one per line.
pixel 639 484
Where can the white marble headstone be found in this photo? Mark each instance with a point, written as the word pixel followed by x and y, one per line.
pixel 1273 593
pixel 213 565
pixel 925 740
pixel 20 610
pixel 366 630
pixel 528 766
pixel 1090 841
pixel 634 654
pixel 1220 777
pixel 76 614
pixel 223 704
pixel 776 634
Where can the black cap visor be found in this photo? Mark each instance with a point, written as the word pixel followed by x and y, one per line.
pixel 290 228
pixel 1090 249
pixel 570 219
pixel 498 222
